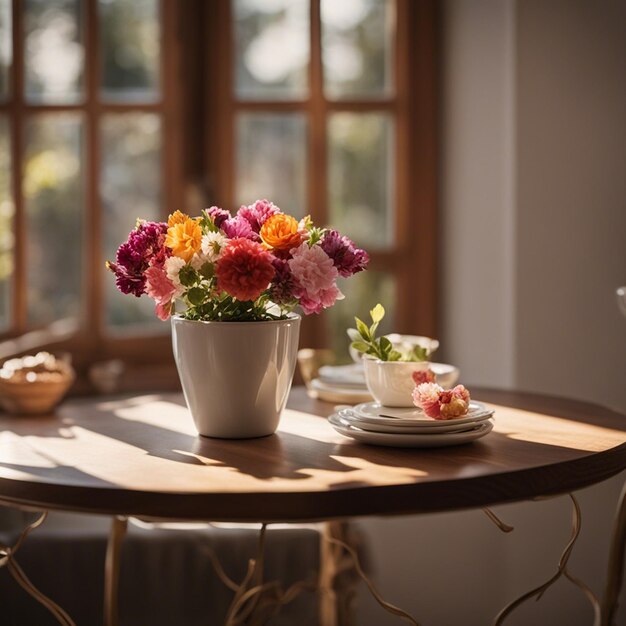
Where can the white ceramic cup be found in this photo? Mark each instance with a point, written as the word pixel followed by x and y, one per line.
pixel 391 382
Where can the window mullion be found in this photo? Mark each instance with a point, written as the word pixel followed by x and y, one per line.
pixel 18 324
pixel 317 183
pixel 92 276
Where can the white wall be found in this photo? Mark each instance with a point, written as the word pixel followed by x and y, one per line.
pixel 533 246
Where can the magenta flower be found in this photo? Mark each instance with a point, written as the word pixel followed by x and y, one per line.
pixel 256 214
pixel 145 247
pixel 347 258
pixel 238 227
pixel 284 285
pixel 219 216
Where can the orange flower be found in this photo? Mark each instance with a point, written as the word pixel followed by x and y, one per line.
pixel 177 218
pixel 280 232
pixel 184 239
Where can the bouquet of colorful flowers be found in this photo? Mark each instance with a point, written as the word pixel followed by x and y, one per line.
pixel 256 265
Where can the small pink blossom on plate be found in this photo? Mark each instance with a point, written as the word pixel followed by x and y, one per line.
pixel 426 397
pixel 423 376
pixel 440 404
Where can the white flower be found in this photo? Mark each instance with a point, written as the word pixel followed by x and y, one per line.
pixel 198 260
pixel 212 244
pixel 172 266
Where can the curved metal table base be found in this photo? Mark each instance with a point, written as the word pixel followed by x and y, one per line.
pixel 256 600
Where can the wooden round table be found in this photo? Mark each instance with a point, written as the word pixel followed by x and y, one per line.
pixel 140 456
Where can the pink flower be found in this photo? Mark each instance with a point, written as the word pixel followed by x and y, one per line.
pixel 244 269
pixel 426 397
pixel 423 376
pixel 164 311
pixel 161 289
pixel 454 407
pixel 315 276
pixel 238 227
pixel 158 286
pixel 440 404
pixel 461 392
pixel 256 214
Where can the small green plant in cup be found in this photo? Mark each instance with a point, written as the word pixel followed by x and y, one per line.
pixel 364 340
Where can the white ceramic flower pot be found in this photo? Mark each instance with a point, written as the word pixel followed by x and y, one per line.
pixel 236 376
pixel 391 382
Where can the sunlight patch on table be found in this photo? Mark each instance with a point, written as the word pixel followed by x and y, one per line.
pixel 553 430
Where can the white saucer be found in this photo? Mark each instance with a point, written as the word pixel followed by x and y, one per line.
pixel 391 425
pixel 354 374
pixel 376 413
pixel 409 440
pixel 337 393
pixel 349 375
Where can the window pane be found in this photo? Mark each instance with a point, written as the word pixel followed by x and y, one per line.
pixel 360 171
pixel 6 224
pixel 6 49
pixel 53 196
pixel 356 47
pixel 130 189
pixel 54 52
pixel 271 160
pixel 363 291
pixel 271 49
pixel 130 35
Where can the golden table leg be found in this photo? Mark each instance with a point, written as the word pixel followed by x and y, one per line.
pixel 616 564
pixel 7 559
pixel 112 569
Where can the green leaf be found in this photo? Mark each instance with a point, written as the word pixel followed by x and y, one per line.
pixel 315 235
pixel 394 355
pixel 361 346
pixel 385 346
pixel 187 276
pixel 206 223
pixel 196 295
pixel 363 329
pixel 207 270
pixel 377 313
pixel 419 353
pixel 353 333
pixel 373 329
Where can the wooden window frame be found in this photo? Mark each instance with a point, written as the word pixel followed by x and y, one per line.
pixel 413 260
pixel 91 342
pixel 197 102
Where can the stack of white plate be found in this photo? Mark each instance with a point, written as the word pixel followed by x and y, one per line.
pixel 346 383
pixel 341 383
pixel 372 423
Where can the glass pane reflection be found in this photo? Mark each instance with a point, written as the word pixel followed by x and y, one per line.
pixel 130 33
pixel 6 224
pixel 53 197
pixel 363 291
pixel 360 170
pixel 6 49
pixel 271 49
pixel 271 160
pixel 54 52
pixel 356 47
pixel 130 187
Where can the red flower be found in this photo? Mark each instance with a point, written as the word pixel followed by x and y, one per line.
pixel 244 269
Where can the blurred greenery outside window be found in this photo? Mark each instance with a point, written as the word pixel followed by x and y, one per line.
pixel 312 125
